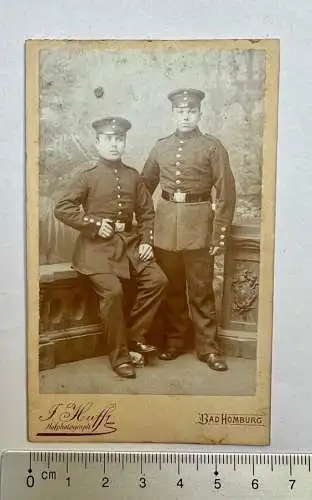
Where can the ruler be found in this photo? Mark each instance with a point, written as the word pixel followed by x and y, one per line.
pixel 92 475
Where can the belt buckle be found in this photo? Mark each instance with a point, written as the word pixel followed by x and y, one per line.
pixel 120 226
pixel 179 197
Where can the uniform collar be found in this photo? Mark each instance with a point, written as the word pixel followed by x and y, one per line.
pixel 188 135
pixel 109 163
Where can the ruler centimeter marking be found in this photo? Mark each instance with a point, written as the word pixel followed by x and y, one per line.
pixel 170 458
pixel 204 458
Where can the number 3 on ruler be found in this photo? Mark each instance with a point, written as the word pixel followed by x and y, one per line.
pixel 142 482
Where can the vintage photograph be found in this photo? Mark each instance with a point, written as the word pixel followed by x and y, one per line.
pixel 151 172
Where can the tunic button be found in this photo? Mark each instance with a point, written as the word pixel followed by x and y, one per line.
pixel 178 181
pixel 86 219
pixel 223 229
pixel 178 164
pixel 118 195
pixel 120 204
pixel 178 190
pixel 120 212
pixel 115 170
pixel 179 149
pixel 181 142
pixel 178 155
pixel 222 243
pixel 222 237
pixel 178 172
pixel 118 187
pixel 117 179
pixel 91 220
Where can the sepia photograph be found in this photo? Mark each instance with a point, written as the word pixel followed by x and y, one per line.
pixel 151 172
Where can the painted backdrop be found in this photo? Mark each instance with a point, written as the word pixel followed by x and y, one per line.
pixel 78 86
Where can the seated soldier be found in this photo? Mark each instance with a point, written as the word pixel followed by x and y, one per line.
pixel 108 250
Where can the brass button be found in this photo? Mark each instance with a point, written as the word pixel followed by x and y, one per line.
pixel 178 181
pixel 178 172
pixel 178 164
pixel 222 243
pixel 120 204
pixel 91 220
pixel 178 155
pixel 118 196
pixel 181 142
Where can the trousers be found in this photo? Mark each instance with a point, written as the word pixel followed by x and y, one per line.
pixel 150 284
pixel 189 293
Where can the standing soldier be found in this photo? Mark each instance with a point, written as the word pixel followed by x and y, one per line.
pixel 188 234
pixel 108 250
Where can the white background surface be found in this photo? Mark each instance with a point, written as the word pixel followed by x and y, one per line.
pixel 98 19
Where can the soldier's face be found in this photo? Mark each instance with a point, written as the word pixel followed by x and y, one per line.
pixel 186 119
pixel 110 147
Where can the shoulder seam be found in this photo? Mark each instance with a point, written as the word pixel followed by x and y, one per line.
pixel 163 138
pixel 130 168
pixel 90 168
pixel 91 164
pixel 212 137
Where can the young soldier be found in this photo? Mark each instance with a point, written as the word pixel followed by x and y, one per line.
pixel 108 251
pixel 188 234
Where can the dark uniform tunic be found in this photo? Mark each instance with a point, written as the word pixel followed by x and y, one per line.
pixel 116 191
pixel 108 190
pixel 190 165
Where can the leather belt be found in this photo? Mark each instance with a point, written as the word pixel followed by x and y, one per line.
pixel 119 226
pixel 186 197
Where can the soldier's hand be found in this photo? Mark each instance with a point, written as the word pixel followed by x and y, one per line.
pixel 213 251
pixel 145 252
pixel 106 229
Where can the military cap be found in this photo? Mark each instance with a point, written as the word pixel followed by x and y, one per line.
pixel 111 125
pixel 184 98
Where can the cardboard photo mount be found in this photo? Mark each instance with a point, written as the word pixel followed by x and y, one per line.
pixel 238 420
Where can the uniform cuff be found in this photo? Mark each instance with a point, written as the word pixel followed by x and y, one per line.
pixel 148 237
pixel 219 235
pixel 92 225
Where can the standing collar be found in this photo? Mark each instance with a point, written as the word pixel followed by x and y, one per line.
pixel 188 135
pixel 102 162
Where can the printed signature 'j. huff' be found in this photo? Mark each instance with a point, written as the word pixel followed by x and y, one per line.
pixel 77 419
